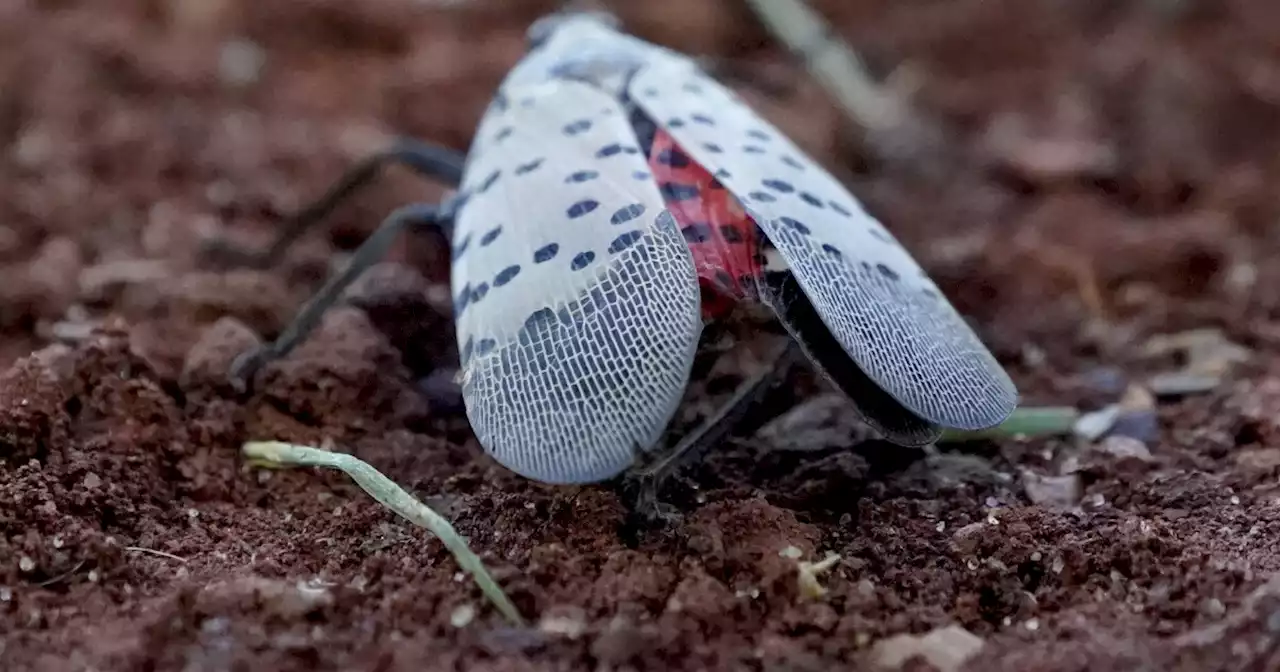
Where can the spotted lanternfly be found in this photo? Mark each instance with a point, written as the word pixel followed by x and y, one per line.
pixel 615 196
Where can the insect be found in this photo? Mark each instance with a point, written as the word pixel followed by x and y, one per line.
pixel 614 198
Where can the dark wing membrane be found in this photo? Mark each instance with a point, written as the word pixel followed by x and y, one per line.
pixel 873 297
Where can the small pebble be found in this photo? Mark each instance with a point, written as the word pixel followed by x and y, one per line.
pixel 462 616
pixel 1213 608
pixel 1180 384
pixel 240 63
pixel 1095 425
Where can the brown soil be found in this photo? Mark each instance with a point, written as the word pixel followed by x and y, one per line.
pixel 1109 173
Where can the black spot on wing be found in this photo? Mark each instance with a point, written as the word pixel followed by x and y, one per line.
pixel 500 102
pixel 615 148
pixel 462 300
pixel 506 275
pixel 484 347
pixel 488 182
pixel 461 246
pixel 795 225
pixel 779 186
pixel 490 236
pixel 582 259
pixel 581 208
pixel 673 157
pixel 467 349
pixel 582 176
pixel 526 168
pixel 880 235
pixel 675 191
pixel 627 213
pixel 624 241
pixel 539 317
pixel 546 253
pixel 577 127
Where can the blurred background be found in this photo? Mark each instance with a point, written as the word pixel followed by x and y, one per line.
pixel 1120 153
pixel 1095 183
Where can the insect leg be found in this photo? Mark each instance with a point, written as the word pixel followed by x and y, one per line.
pixel 431 161
pixel 714 429
pixel 374 248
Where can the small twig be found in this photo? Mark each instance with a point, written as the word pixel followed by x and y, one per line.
pixel 274 454
pixel 152 551
pixel 832 62
pixel 1027 422
pixel 808 573
pixel 61 577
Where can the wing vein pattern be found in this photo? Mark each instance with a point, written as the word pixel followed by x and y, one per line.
pixel 576 299
pixel 878 303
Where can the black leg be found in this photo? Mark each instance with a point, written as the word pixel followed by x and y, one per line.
pixel 650 477
pixel 369 252
pixel 430 161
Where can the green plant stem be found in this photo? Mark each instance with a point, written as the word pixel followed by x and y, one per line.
pixel 274 454
pixel 1029 422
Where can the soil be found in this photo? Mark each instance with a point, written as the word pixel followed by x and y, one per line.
pixel 1106 174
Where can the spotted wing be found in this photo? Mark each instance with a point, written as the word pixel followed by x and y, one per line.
pixel 575 296
pixel 874 298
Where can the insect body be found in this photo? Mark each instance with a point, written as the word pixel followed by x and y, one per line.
pixel 609 179
pixel 614 197
pixel 720 234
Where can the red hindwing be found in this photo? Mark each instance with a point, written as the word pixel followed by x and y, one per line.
pixel 719 232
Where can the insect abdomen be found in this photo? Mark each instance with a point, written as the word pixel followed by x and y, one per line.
pixel 720 234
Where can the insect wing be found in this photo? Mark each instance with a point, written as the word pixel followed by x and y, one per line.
pixel 874 298
pixel 575 297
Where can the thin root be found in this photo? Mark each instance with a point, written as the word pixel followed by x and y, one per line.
pixel 61 577
pixel 381 488
pixel 152 551
pixel 807 576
